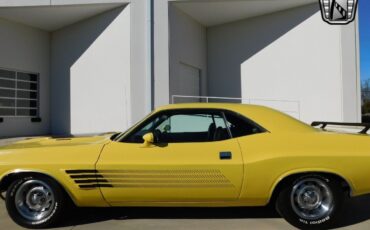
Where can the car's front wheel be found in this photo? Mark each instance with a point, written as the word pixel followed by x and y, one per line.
pixel 35 201
pixel 311 202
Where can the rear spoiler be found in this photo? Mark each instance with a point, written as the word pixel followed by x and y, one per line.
pixel 324 124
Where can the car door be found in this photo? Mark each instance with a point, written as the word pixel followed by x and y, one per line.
pixel 193 160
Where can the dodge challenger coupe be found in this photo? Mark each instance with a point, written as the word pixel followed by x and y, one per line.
pixel 191 155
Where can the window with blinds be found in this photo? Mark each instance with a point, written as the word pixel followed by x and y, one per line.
pixel 19 94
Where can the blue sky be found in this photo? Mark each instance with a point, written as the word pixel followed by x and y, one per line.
pixel 364 17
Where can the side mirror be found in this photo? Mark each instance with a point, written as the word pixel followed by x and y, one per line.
pixel 148 139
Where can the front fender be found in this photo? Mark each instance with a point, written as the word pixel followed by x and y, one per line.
pixel 80 197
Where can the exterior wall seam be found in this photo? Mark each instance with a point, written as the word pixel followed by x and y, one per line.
pixel 341 74
pixel 358 74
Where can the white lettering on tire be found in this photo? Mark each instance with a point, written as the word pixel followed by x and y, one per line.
pixel 314 222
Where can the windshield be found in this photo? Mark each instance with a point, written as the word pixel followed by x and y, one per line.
pixel 119 136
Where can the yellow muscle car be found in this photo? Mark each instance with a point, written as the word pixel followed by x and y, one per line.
pixel 194 155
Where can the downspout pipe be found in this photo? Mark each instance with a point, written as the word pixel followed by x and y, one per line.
pixel 150 60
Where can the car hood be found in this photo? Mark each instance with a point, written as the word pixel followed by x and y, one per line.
pixel 52 155
pixel 57 142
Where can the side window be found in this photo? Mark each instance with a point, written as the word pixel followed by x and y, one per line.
pixel 190 123
pixel 184 126
pixel 240 126
pixel 192 127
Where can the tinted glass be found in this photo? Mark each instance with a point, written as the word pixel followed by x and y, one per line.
pixel 188 123
pixel 241 126
pixel 7 83
pixel 27 94
pixel 18 94
pixel 7 74
pixel 7 112
pixel 7 102
pixel 7 93
pixel 27 77
pixel 26 85
pixel 183 127
pixel 26 103
pixel 26 112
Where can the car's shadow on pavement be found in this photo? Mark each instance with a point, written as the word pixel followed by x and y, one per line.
pixel 81 216
pixel 356 210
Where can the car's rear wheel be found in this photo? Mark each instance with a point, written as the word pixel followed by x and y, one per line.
pixel 35 202
pixel 311 202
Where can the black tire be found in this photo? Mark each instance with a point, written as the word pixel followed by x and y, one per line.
pixel 55 211
pixel 287 204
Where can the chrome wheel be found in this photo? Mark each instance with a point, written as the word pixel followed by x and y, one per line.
pixel 312 199
pixel 34 200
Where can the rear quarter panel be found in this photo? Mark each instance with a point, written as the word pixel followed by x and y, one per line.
pixel 269 158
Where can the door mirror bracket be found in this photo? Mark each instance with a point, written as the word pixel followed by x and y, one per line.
pixel 148 139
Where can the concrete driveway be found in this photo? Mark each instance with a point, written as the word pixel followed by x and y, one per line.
pixel 356 216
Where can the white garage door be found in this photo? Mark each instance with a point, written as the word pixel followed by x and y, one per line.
pixel 188 83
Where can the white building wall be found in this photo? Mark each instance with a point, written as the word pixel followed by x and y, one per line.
pixel 25 48
pixel 141 58
pixel 188 48
pixel 99 67
pixel 351 72
pixel 291 55
pixel 161 53
pixel 91 75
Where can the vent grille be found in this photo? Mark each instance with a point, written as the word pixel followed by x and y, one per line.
pixel 195 178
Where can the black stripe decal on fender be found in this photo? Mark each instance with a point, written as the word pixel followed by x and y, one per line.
pixel 81 171
pixel 91 181
pixel 86 176
pixel 96 186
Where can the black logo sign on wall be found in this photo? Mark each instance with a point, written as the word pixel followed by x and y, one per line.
pixel 338 12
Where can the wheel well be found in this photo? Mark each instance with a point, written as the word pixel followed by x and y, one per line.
pixel 10 178
pixel 291 178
